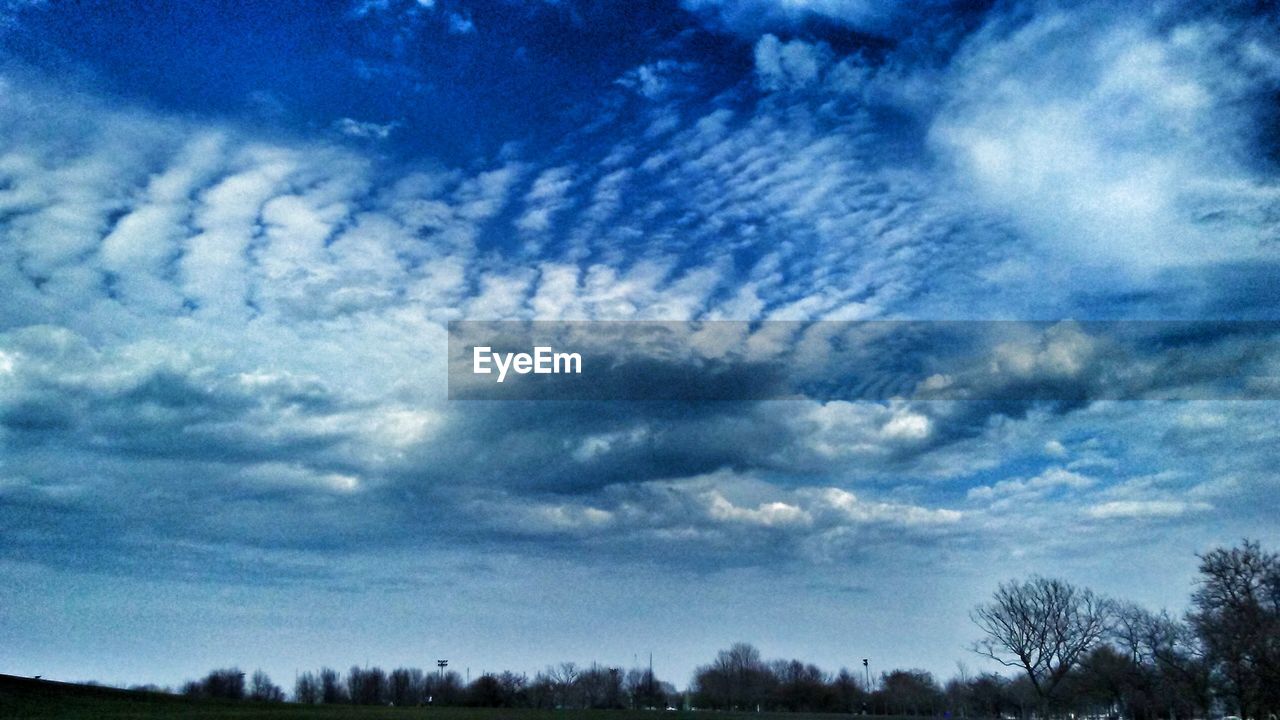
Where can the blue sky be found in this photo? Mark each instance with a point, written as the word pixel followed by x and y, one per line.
pixel 231 238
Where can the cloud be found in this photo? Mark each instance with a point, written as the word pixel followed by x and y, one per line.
pixel 660 79
pixel 546 197
pixel 754 16
pixel 1038 486
pixel 252 326
pixel 1123 509
pixel 365 130
pixel 1115 136
pixel 460 24
pixel 788 65
pixel 712 519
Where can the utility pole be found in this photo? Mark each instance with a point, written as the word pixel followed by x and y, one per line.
pixel 442 664
pixel 650 676
pixel 867 669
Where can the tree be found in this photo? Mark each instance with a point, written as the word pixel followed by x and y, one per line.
pixel 485 691
pixel 1043 626
pixel 1109 678
pixel 262 689
pixel 1170 675
pixel 800 687
pixel 850 697
pixel 224 684
pixel 367 686
pixel 989 695
pixel 910 692
pixel 331 690
pixel 1237 617
pixel 307 689
pixel 542 692
pixel 564 683
pixel 593 687
pixel 406 687
pixel 515 689
pixel 735 680
pixel 644 690
pixel 443 689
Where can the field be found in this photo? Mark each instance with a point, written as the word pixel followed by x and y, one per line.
pixel 25 698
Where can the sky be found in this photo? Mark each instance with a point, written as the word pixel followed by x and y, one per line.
pixel 232 236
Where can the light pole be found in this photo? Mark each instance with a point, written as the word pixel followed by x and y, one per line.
pixel 866 668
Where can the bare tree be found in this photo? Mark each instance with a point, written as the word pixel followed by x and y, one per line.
pixel 1043 626
pixel 331 689
pixel 367 686
pixel 405 687
pixel 262 689
pixel 307 689
pixel 910 692
pixel 736 679
pixel 443 689
pixel 1168 659
pixel 226 684
pixel 646 691
pixel 564 683
pixel 1237 617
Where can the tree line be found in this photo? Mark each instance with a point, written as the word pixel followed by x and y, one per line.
pixel 566 685
pixel 1080 652
pixel 1071 651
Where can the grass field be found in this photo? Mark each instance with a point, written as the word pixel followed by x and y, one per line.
pixel 26 698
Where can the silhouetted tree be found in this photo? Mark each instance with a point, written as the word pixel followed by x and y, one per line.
pixel 1043 626
pixel 406 687
pixel 367 686
pixel 262 689
pixel 735 680
pixel 1170 675
pixel 1237 617
pixel 331 689
pixel 307 689
pixel 226 684
pixel 542 691
pixel 444 689
pixel 800 687
pixel 849 694
pixel 910 692
pixel 485 691
pixel 564 683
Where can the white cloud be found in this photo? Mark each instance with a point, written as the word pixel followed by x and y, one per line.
pixel 768 514
pixel 365 130
pixel 659 79
pixel 460 24
pixel 789 65
pixel 1051 479
pixel 721 510
pixel 1111 137
pixel 545 198
pixel 1124 509
pixel 752 16
pixel 842 430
